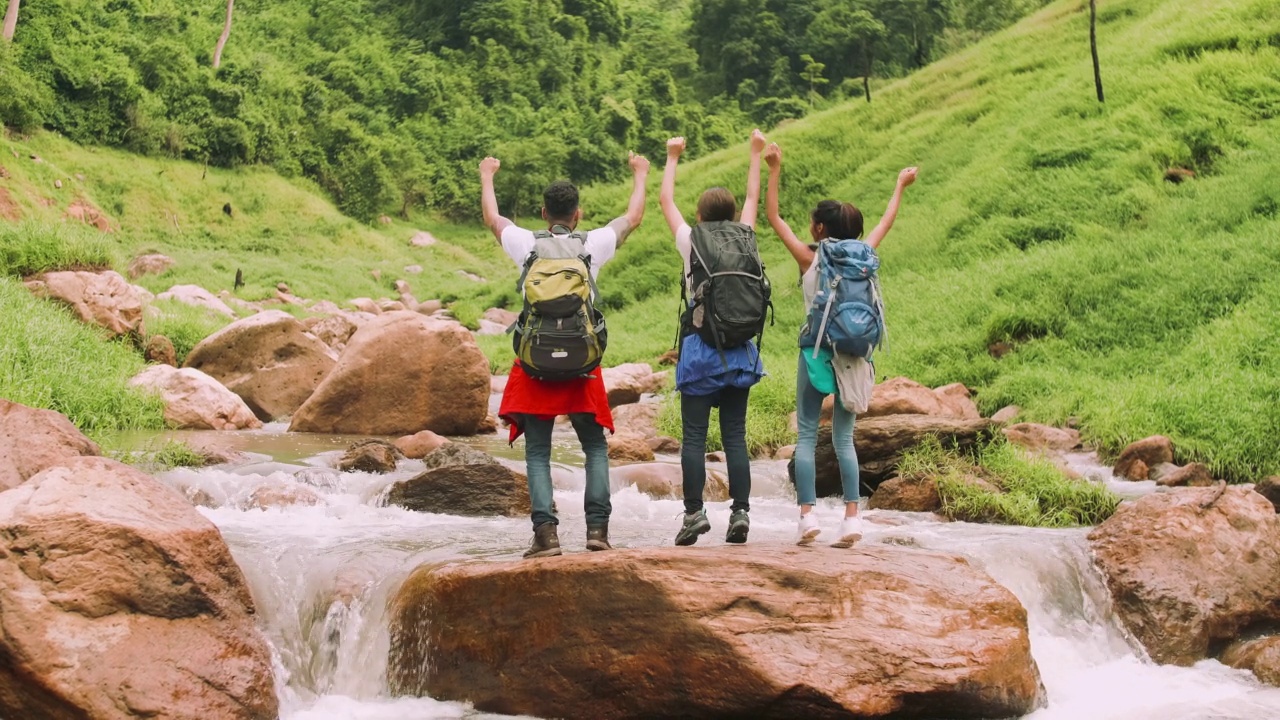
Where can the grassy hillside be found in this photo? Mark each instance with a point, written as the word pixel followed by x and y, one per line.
pixel 1041 219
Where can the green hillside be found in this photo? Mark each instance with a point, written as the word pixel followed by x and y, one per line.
pixel 1041 220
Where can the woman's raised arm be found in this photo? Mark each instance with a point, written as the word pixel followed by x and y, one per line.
pixel 799 250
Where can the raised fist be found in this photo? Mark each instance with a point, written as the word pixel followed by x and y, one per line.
pixel 907 176
pixel 757 140
pixel 675 147
pixel 773 156
pixel 489 166
pixel 638 163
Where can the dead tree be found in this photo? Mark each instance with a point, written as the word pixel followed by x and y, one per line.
pixel 226 33
pixel 1093 47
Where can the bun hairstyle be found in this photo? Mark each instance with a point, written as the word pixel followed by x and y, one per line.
pixel 840 220
pixel 717 204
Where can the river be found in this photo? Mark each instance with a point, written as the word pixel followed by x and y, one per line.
pixel 321 576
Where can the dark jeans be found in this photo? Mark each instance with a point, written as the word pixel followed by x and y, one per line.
pixel 537 459
pixel 695 413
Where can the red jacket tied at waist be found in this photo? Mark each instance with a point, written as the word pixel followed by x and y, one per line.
pixel 546 399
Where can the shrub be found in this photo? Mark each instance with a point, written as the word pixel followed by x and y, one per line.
pixel 32 248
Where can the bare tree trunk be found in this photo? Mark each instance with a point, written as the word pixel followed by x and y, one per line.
pixel 10 20
pixel 226 33
pixel 866 77
pixel 1093 47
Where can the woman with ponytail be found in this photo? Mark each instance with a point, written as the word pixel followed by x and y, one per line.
pixel 817 376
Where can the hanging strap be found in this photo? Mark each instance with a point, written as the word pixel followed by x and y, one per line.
pixel 826 315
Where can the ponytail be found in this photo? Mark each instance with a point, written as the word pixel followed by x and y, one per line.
pixel 842 221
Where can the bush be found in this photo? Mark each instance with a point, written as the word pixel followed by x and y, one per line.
pixel 1035 493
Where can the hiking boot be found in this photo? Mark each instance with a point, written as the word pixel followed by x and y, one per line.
pixel 807 530
pixel 598 537
pixel 546 543
pixel 739 525
pixel 850 532
pixel 694 525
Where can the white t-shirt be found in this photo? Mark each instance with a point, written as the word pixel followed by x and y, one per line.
pixel 809 282
pixel 684 245
pixel 601 245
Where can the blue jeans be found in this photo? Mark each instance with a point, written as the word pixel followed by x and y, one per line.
pixel 808 413
pixel 537 459
pixel 695 414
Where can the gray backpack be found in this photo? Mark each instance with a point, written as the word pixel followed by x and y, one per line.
pixel 731 293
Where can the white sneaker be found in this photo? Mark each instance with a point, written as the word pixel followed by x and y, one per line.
pixel 807 531
pixel 850 532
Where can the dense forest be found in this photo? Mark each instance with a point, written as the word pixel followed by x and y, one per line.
pixel 387 104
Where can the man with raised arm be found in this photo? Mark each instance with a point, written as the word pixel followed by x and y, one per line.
pixel 559 340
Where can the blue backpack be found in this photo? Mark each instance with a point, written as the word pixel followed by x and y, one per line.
pixel 847 314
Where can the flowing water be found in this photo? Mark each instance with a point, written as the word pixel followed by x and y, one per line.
pixel 322 575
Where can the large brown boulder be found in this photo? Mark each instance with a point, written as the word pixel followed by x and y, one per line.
pixel 197 296
pixel 119 600
pixel 268 359
pixel 626 383
pixel 1260 656
pixel 666 481
pixel 421 444
pixel 337 328
pixel 709 632
pixel 904 396
pixel 152 264
pixel 881 441
pixel 629 448
pixel 401 373
pixel 1191 475
pixel 104 299
pixel 195 401
pixel 1136 460
pixel 32 440
pixel 463 481
pixel 906 494
pixel 639 418
pixel 1191 568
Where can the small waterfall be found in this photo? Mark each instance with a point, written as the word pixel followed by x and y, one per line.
pixel 322 576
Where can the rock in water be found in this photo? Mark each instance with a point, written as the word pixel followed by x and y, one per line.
pixel 32 440
pixel 119 600
pixel 1138 458
pixel 268 359
pixel 421 444
pixel 462 481
pixel 401 373
pixel 708 632
pixel 371 456
pixel 1186 578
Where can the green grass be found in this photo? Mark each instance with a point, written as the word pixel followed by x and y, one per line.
pixel 30 248
pixel 185 325
pixel 51 360
pixel 172 454
pixel 1035 493
pixel 1136 305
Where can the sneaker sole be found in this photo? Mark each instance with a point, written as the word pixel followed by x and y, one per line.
pixel 737 533
pixel 847 541
pixel 689 536
pixel 808 537
pixel 544 553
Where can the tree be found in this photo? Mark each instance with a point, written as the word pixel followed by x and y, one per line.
pixel 222 39
pixel 1093 47
pixel 812 74
pixel 845 34
pixel 11 20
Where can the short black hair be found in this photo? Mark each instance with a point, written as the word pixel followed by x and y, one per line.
pixel 560 200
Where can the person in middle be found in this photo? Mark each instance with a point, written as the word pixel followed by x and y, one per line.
pixel 724 303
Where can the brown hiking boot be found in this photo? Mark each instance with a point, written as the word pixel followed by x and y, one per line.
pixel 546 542
pixel 598 537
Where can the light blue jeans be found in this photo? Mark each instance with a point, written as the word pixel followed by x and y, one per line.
pixel 808 413
pixel 537 459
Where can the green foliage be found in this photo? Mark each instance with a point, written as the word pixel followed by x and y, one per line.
pixel 1033 491
pixel 389 104
pixel 185 325
pixel 31 248
pixel 51 360
pixel 172 454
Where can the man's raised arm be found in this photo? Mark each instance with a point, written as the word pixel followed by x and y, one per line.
pixel 635 208
pixel 489 199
